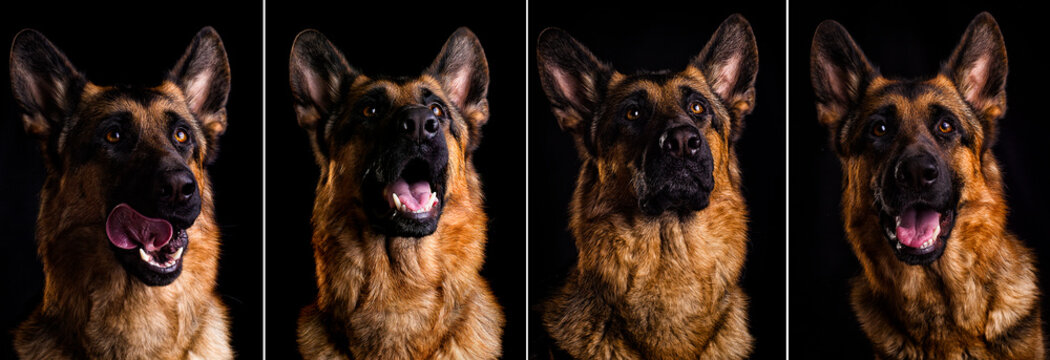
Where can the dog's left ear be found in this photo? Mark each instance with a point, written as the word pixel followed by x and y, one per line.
pixel 978 68
pixel 203 74
pixel 463 71
pixel 729 61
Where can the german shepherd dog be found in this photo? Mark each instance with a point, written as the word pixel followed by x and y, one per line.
pixel 657 214
pixel 399 229
pixel 126 233
pixel 923 201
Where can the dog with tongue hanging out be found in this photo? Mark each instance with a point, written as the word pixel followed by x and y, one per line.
pixel 923 201
pixel 126 231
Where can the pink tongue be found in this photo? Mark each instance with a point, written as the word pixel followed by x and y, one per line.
pixel 127 229
pixel 916 227
pixel 413 196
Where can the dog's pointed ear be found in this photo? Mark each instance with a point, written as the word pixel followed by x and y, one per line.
pixel 729 62
pixel 978 67
pixel 463 71
pixel 319 77
pixel 839 72
pixel 44 83
pixel 573 78
pixel 203 74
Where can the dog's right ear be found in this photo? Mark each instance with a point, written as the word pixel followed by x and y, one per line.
pixel 573 79
pixel 320 77
pixel 44 83
pixel 839 72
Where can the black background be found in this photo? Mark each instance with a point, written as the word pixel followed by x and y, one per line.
pixel 906 40
pixel 405 42
pixel 137 43
pixel 654 36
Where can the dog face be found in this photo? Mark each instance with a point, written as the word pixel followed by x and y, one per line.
pixel 136 154
pixel 658 137
pixel 912 149
pixel 391 149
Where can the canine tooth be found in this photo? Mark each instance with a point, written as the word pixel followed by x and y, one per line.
pixel 397 202
pixel 178 254
pixel 898 246
pixel 898 219
pixel 145 257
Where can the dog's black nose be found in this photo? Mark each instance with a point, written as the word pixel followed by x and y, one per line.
pixel 683 142
pixel 917 172
pixel 418 124
pixel 176 187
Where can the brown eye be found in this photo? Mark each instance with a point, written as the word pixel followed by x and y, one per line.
pixel 633 113
pixel 436 109
pixel 369 111
pixel 113 136
pixel 879 129
pixel 181 136
pixel 945 126
pixel 696 108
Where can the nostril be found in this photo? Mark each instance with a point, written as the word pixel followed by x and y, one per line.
pixel 188 189
pixel 694 143
pixel 929 174
pixel 431 126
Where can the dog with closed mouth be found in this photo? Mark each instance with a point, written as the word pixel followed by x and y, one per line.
pixel 923 201
pixel 126 231
pixel 657 214
pixel 399 226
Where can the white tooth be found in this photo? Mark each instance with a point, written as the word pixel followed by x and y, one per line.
pixel 404 208
pixel 433 198
pixel 178 254
pixel 898 221
pixel 397 202
pixel 898 246
pixel 142 254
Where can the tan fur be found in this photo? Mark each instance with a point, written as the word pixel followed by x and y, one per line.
pixel 92 308
pixel 654 288
pixel 400 298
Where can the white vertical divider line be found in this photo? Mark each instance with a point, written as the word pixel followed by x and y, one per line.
pixel 787 180
pixel 527 102
pixel 263 105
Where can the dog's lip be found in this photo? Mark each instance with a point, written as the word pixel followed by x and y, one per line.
pixel 166 259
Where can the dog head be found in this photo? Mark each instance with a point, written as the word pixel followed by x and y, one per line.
pixel 658 137
pixel 392 150
pixel 911 149
pixel 126 161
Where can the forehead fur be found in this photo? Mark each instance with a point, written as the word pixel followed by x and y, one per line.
pixel 913 101
pixel 148 108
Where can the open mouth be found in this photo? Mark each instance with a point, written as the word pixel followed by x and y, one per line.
pixel 158 248
pixel 412 194
pixel 410 204
pixel 918 233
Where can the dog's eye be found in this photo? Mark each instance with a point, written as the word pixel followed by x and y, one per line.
pixel 945 127
pixel 633 113
pixel 878 129
pixel 369 111
pixel 181 136
pixel 436 109
pixel 696 108
pixel 113 136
